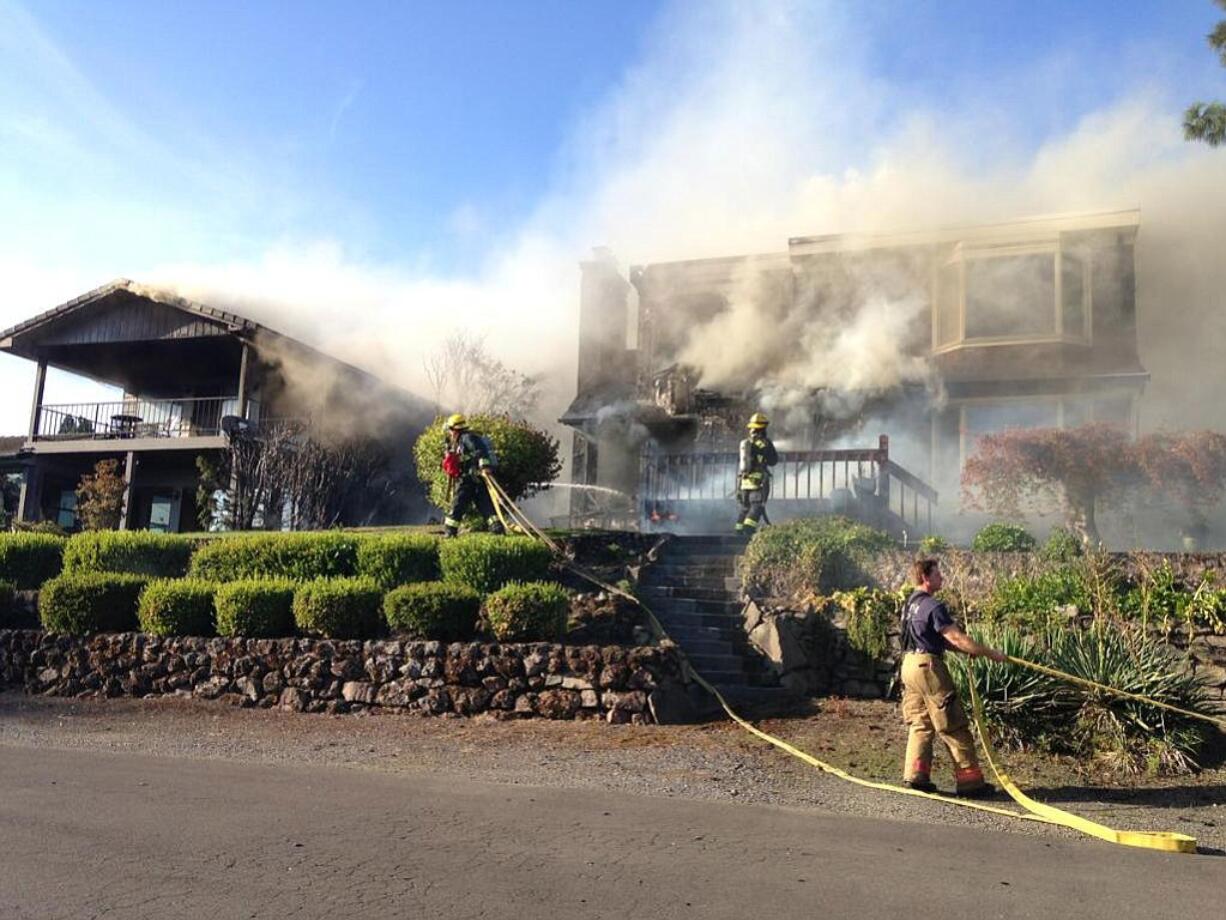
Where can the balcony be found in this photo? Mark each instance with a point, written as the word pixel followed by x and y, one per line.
pixel 159 420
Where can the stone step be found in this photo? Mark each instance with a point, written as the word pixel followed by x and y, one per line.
pixel 706 582
pixel 706 646
pixel 669 605
pixel 710 539
pixel 716 663
pixel 683 635
pixel 723 679
pixel 681 620
pixel 688 558
pixel 687 592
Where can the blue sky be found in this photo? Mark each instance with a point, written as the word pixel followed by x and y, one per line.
pixel 452 161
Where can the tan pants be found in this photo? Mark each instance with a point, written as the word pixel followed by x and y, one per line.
pixel 930 706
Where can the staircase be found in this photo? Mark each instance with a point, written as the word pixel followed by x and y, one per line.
pixel 694 591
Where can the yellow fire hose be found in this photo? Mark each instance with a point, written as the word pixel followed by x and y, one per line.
pixel 1034 811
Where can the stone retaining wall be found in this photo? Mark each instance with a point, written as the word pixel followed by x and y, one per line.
pixel 610 683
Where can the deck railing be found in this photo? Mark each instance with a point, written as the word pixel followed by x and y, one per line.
pixel 135 418
pixel 829 480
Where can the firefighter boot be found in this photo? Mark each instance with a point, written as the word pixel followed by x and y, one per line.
pixel 451 527
pixel 494 526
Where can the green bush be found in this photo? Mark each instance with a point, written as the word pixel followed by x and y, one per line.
pixel 136 552
pixel 339 608
pixel 29 559
pixel 177 607
pixel 1003 538
pixel 1029 709
pixel 398 559
pixel 814 555
pixel 526 612
pixel 258 607
pixel 1062 546
pixel 485 562
pixel 933 544
pixel 1036 601
pixel 869 616
pixel 90 602
pixel 1159 599
pixel 527 457
pixel 433 610
pixel 298 556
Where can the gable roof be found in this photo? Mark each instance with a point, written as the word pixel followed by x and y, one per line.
pixel 240 326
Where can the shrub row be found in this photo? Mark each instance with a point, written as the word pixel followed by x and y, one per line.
pixel 480 561
pixel 340 608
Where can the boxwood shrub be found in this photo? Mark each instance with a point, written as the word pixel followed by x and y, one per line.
pixel 177 607
pixel 259 607
pixel 1003 538
pixel 297 556
pixel 485 562
pixel 29 559
pixel 339 608
pixel 433 610
pixel 90 602
pixel 137 552
pixel 528 612
pixel 399 559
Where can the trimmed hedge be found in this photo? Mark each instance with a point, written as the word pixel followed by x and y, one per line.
pixel 136 552
pixel 90 602
pixel 259 607
pixel 399 559
pixel 528 612
pixel 485 562
pixel 433 610
pixel 297 556
pixel 178 607
pixel 339 608
pixel 29 559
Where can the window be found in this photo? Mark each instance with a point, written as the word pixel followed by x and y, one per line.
pixel 1068 411
pixel 66 513
pixel 1011 295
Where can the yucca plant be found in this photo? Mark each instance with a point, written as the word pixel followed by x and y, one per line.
pixel 1025 708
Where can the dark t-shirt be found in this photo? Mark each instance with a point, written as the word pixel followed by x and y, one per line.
pixel 928 616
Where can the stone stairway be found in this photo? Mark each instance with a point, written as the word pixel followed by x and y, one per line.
pixel 694 591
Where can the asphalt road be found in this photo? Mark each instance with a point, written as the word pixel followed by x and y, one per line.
pixel 88 834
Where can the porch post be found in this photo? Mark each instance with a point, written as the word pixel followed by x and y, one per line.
pixel 40 383
pixel 30 499
pixel 242 381
pixel 126 509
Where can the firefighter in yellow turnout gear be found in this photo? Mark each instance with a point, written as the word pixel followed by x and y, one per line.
pixel 757 456
pixel 468 454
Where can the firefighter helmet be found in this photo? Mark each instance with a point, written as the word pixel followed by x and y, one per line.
pixel 758 421
pixel 457 421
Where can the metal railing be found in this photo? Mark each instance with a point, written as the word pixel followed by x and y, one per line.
pixel 135 418
pixel 849 481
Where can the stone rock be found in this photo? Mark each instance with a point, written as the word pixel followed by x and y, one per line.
pixel 589 699
pixel 751 616
pixel 292 698
pixel 526 703
pixel 395 693
pixel 558 704
pixel 628 701
pixel 273 682
pixel 359 691
pixel 248 688
pixel 535 663
pixel 779 644
pixel 574 683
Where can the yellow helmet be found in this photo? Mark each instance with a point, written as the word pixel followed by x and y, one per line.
pixel 457 421
pixel 758 421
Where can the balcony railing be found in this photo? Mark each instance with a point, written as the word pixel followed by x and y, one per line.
pixel 861 482
pixel 135 418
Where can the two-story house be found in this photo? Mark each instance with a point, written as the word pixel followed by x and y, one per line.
pixel 1029 323
pixel 187 380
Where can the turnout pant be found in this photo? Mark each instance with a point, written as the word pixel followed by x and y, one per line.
pixel 471 492
pixel 930 707
pixel 753 507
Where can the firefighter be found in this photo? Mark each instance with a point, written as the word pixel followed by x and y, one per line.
pixel 757 456
pixel 468 454
pixel 930 704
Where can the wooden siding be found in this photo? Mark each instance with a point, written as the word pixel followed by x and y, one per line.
pixel 129 321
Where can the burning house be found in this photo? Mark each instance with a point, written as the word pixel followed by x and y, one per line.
pixel 292 436
pixel 928 338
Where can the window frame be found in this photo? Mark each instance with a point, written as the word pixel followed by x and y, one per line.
pixel 963 253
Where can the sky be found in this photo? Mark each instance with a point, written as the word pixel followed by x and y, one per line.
pixel 399 170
